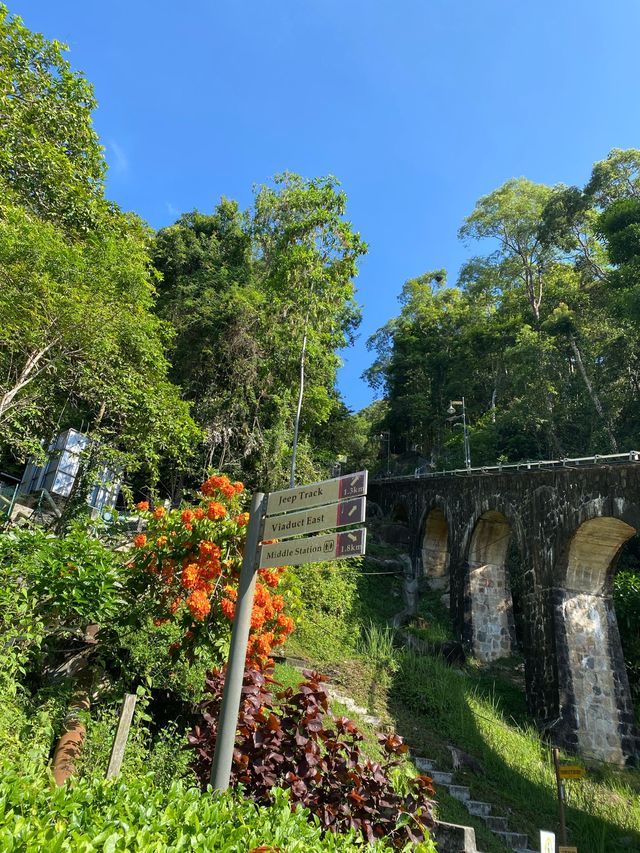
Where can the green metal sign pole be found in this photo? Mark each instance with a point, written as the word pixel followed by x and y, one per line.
pixel 228 722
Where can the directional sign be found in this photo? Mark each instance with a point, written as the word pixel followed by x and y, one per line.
pixel 314 549
pixel 311 520
pixel 572 771
pixel 316 494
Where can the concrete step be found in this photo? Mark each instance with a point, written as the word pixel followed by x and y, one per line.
pixel 424 765
pixel 497 824
pixel 478 808
pixel 441 778
pixel 514 840
pixel 460 792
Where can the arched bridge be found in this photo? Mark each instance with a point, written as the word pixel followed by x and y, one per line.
pixel 568 522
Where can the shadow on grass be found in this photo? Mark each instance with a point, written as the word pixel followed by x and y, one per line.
pixel 435 706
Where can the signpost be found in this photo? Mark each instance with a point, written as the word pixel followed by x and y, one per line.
pixel 282 515
pixel 316 494
pixel 314 549
pixel 310 521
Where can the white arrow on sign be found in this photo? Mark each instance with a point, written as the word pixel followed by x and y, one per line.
pixel 310 521
pixel 314 549
pixel 316 494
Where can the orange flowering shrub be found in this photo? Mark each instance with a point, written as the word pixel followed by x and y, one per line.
pixel 186 568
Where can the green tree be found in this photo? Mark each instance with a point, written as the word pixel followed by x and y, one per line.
pixel 49 152
pixel 240 290
pixel 79 341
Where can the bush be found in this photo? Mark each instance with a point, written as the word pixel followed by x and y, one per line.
pixel 326 626
pixel 302 746
pixel 138 817
pixel 626 591
pixel 71 580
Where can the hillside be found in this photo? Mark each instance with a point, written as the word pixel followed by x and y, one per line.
pixel 479 709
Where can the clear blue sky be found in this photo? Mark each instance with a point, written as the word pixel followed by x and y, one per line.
pixel 417 106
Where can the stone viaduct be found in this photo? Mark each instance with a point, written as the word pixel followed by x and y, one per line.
pixel 568 525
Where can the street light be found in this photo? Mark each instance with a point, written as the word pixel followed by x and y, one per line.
pixel 453 411
pixel 386 434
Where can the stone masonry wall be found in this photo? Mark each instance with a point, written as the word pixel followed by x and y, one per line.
pixel 571 643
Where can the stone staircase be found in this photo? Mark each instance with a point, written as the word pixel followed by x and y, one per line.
pixel 516 841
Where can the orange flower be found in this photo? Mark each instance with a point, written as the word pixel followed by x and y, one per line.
pixel 199 513
pixel 161 541
pixel 242 520
pixel 228 608
pixel 213 484
pixel 158 622
pixel 257 618
pixel 190 576
pixel 278 602
pixel 211 570
pixel 159 512
pixel 174 606
pixel 261 595
pixel 143 506
pixel 271 578
pixel 238 487
pixel 286 622
pixel 215 510
pixel 187 516
pixel 198 603
pixel 227 490
pixel 209 549
pixel 140 541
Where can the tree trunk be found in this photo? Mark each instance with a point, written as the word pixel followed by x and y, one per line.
pixel 28 373
pixel 592 393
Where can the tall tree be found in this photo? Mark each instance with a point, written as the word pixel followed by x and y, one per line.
pixel 49 152
pixel 240 289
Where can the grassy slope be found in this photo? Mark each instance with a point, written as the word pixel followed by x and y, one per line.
pixel 480 709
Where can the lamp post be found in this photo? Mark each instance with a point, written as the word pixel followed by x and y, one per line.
pixel 386 434
pixel 453 412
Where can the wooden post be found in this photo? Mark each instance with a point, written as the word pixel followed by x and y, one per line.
pixel 561 795
pixel 122 734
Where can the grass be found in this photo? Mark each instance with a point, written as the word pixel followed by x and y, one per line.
pixel 478 708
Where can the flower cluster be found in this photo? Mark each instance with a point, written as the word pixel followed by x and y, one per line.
pixel 189 561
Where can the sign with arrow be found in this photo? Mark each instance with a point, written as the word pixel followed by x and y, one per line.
pixel 316 494
pixel 351 511
pixel 314 549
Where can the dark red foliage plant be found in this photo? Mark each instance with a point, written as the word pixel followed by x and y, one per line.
pixel 296 743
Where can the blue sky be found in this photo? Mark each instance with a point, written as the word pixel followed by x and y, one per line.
pixel 418 107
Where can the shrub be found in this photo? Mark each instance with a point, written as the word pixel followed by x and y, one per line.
pixel 327 627
pixel 71 580
pixel 302 746
pixel 93 816
pixel 185 571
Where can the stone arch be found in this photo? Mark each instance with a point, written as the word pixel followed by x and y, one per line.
pixel 491 617
pixel 595 700
pixel 434 548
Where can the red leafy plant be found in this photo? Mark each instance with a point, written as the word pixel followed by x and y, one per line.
pixel 298 744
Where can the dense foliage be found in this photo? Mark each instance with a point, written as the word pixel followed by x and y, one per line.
pixel 246 293
pixel 300 745
pixel 94 816
pixel 540 335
